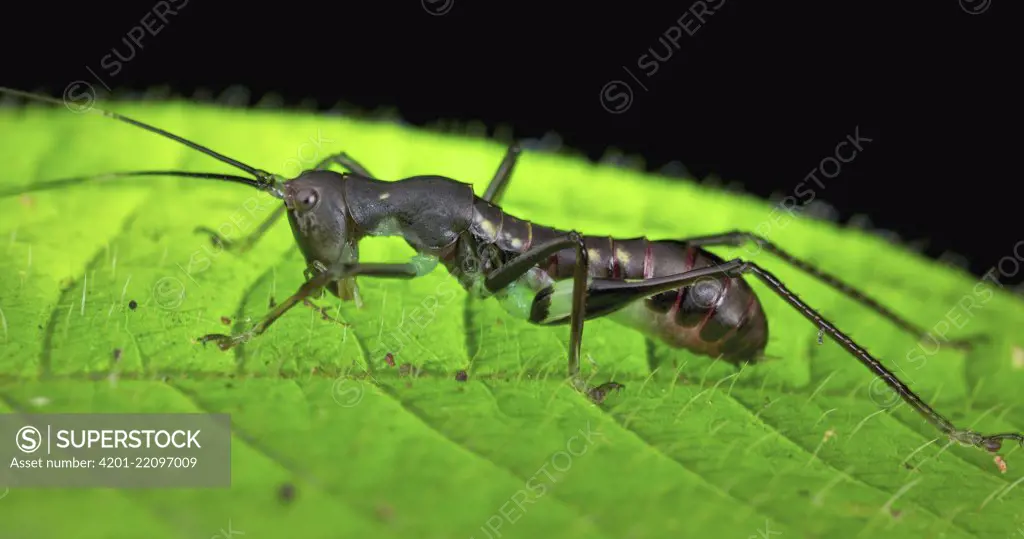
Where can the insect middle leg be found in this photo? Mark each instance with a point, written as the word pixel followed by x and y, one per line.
pixel 505 275
pixel 590 298
pixel 309 289
pixel 736 238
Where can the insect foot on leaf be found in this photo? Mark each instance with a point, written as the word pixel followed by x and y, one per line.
pixel 225 342
pixel 992 443
pixel 215 238
pixel 599 393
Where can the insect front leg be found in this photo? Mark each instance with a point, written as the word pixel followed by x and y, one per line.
pixel 737 238
pixel 312 270
pixel 247 242
pixel 323 312
pixel 346 162
pixel 501 178
pixel 308 289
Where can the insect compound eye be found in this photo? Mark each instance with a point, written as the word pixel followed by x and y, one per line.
pixel 306 199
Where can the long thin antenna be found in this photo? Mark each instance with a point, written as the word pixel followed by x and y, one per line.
pixel 44 186
pixel 265 180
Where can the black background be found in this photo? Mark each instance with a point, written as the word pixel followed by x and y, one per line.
pixel 759 94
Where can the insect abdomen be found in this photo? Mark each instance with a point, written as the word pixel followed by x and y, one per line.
pixel 716 316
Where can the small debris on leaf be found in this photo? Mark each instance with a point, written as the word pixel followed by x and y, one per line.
pixel 117 354
pixel 286 493
pixel 407 369
pixel 133 304
pixel 225 320
pixel 271 304
pixel 384 512
pixel 1000 463
pixel 461 376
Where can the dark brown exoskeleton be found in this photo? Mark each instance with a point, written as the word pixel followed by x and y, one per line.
pixel 671 290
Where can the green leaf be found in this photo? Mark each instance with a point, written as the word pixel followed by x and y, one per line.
pixel 795 446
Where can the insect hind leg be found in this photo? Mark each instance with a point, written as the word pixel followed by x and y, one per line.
pixel 737 238
pixel 991 443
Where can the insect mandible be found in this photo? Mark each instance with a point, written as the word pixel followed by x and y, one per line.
pixel 671 290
